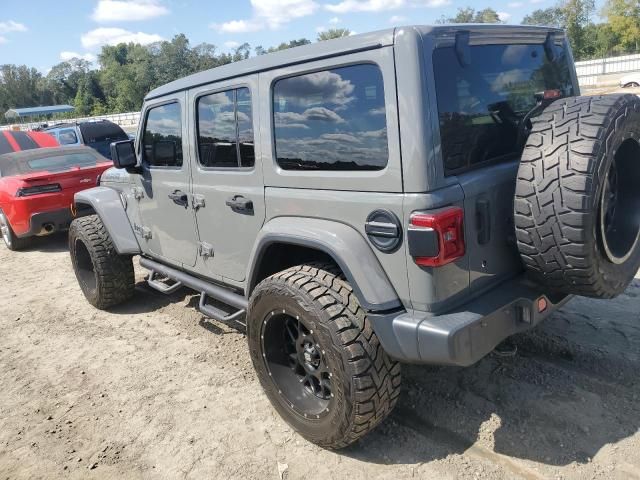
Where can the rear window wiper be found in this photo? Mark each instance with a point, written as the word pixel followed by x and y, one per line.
pixel 543 100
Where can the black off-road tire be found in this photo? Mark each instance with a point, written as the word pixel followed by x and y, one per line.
pixel 582 158
pixel 105 277
pixel 11 240
pixel 365 381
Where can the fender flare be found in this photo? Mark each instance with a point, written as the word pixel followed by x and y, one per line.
pixel 108 206
pixel 344 244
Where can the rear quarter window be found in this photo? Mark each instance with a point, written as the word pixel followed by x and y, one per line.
pixel 331 120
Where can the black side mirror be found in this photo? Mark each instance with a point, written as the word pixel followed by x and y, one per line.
pixel 123 154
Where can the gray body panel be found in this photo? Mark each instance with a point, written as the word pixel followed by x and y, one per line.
pixel 108 206
pixel 344 244
pixel 429 315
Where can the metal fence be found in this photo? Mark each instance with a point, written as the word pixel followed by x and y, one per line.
pixel 125 120
pixel 591 72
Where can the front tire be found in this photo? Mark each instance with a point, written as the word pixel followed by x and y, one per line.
pixel 11 240
pixel 105 277
pixel 317 356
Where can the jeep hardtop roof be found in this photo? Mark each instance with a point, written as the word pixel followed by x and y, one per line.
pixel 479 33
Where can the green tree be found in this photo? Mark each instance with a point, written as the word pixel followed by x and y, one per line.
pixel 333 33
pixel 623 17
pixel 549 17
pixel 283 46
pixel 470 15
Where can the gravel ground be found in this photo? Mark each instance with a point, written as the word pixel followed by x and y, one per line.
pixel 154 390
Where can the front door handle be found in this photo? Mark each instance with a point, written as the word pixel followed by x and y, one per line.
pixel 179 198
pixel 239 204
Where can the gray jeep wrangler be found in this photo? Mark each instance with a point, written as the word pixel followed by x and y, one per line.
pixel 415 195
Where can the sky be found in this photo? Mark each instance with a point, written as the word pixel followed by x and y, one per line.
pixel 42 33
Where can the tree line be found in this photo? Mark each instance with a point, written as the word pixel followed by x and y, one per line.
pixel 127 72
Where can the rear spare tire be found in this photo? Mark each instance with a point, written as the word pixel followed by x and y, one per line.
pixel 577 201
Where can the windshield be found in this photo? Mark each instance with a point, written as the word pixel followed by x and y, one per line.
pixel 480 105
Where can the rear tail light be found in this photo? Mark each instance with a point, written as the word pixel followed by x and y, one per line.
pixel 437 238
pixel 28 191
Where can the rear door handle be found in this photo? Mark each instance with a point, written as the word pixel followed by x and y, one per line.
pixel 239 204
pixel 179 198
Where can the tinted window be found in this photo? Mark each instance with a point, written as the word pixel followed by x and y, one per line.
pixel 481 105
pixel 61 163
pixel 99 135
pixel 162 141
pixel 11 166
pixel 331 120
pixel 225 129
pixel 67 137
pixel 245 128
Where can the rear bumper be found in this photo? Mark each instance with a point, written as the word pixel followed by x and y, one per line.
pixel 465 335
pixel 46 223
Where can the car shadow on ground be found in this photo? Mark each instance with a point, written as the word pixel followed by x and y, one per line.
pixel 57 242
pixel 571 389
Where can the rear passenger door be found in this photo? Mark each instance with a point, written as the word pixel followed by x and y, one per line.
pixel 228 192
pixel 163 187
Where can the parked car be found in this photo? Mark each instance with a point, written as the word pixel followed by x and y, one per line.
pixel 95 134
pixel 15 141
pixel 37 189
pixel 416 195
pixel 631 80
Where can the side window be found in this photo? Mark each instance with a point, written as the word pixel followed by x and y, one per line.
pixel 225 129
pixel 67 137
pixel 162 138
pixel 331 120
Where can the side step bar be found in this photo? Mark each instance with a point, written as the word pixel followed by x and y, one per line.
pixel 181 278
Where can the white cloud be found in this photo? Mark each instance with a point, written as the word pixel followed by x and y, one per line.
pixel 270 14
pixel 3 40
pixel 232 44
pixel 66 56
pixel 504 16
pixel 397 19
pixel 432 3
pixel 238 26
pixel 321 28
pixel 335 21
pixel 347 6
pixel 112 36
pixel 535 2
pixel 515 4
pixel 128 10
pixel 11 26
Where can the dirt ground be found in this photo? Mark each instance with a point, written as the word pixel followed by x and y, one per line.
pixel 155 390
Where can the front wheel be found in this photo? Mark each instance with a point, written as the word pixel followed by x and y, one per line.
pixel 105 277
pixel 317 357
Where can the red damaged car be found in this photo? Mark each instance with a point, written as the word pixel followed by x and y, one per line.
pixel 37 188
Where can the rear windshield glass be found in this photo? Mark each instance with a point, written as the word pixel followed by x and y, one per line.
pixel 60 163
pixel 481 104
pixel 99 135
pixel 53 164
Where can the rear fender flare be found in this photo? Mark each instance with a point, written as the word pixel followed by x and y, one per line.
pixel 108 206
pixel 345 245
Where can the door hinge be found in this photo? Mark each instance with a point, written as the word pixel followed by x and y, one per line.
pixel 137 192
pixel 198 201
pixel 205 249
pixel 144 232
